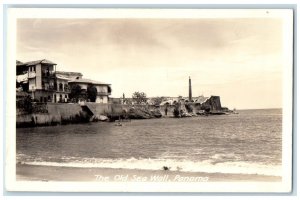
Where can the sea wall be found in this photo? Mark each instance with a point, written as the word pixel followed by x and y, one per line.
pixel 58 113
pixel 29 120
pixel 99 108
pixel 62 113
pixel 63 109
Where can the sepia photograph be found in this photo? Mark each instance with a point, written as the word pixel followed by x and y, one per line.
pixel 155 100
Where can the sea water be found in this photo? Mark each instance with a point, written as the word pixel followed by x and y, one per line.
pixel 246 143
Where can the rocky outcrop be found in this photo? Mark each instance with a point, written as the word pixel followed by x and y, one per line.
pixel 212 104
pixel 143 113
pixel 156 113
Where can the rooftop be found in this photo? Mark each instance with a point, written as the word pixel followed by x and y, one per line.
pixel 19 62
pixel 69 73
pixel 89 81
pixel 61 77
pixel 35 62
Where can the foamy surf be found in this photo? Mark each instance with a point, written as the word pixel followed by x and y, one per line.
pixel 207 166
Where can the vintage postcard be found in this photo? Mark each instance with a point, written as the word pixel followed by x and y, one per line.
pixel 149 100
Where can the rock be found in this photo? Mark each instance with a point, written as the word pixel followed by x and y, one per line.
pixel 156 113
pixel 143 113
pixel 212 104
pixel 186 115
pixel 99 118
pixel 138 113
pixel 103 118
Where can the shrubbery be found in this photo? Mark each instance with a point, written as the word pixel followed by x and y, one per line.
pixel 25 104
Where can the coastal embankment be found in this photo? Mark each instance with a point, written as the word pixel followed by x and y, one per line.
pixel 67 113
pixel 62 113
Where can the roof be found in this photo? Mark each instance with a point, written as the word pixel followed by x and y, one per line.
pixel 69 73
pixel 43 61
pixel 19 62
pixel 89 81
pixel 61 77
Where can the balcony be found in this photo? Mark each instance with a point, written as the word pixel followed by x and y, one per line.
pixel 31 74
pixel 48 88
pixel 65 89
pixel 48 74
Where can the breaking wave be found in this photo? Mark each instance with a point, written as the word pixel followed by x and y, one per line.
pixel 206 166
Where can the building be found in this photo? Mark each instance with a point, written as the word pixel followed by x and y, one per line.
pixel 103 89
pixel 62 91
pixel 41 80
pixel 69 75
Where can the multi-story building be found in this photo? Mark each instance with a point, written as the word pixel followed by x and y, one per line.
pixel 41 80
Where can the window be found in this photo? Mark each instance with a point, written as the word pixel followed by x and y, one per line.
pixel 60 86
pixel 32 69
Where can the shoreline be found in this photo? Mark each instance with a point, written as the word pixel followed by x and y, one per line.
pixel 28 123
pixel 25 172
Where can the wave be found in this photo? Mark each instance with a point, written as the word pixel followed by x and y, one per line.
pixel 207 166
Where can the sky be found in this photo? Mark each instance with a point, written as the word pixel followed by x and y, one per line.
pixel 238 59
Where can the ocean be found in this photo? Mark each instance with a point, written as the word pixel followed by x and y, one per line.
pixel 246 143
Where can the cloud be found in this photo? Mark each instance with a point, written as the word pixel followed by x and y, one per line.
pixel 159 54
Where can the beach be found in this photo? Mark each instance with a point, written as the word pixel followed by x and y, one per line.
pixel 53 173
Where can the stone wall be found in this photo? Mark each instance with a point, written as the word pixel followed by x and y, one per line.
pixel 63 109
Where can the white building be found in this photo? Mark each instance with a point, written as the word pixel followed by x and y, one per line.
pixel 42 81
pixel 103 89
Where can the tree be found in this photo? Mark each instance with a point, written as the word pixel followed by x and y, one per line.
pixel 157 100
pixel 25 104
pixel 139 97
pixel 91 93
pixel 75 92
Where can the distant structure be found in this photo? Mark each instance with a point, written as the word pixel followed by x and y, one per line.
pixel 190 89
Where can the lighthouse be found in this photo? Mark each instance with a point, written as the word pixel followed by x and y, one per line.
pixel 190 89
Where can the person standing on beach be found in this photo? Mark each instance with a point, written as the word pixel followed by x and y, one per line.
pixel 166 111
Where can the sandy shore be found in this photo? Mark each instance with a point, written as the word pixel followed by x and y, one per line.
pixel 49 173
